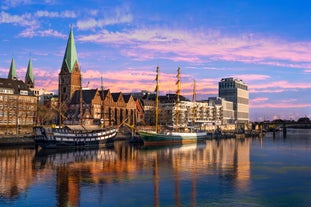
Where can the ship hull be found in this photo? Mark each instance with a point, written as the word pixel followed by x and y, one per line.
pixel 152 138
pixel 49 138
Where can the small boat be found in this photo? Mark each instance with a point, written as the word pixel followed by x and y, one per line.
pixel 178 135
pixel 154 138
pixel 73 136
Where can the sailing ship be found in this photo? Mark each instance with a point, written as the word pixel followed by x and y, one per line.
pixel 74 135
pixel 179 134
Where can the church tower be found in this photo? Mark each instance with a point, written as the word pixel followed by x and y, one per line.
pixel 29 77
pixel 70 74
pixel 12 74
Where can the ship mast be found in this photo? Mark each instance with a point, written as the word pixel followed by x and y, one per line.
pixel 177 96
pixel 102 98
pixel 81 100
pixel 157 99
pixel 59 103
pixel 194 97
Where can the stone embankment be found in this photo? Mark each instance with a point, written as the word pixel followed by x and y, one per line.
pixel 9 137
pixel 9 141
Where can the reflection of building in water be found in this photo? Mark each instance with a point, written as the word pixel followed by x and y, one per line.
pixel 86 166
pixel 229 158
pixel 232 158
pixel 16 173
pixel 192 162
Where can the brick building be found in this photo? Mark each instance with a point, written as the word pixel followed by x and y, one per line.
pixel 94 106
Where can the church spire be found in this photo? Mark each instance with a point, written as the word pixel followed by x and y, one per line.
pixel 29 77
pixel 12 74
pixel 70 57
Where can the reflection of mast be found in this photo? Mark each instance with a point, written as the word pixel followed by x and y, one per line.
pixel 156 181
pixel 157 100
pixel 176 183
pixel 194 186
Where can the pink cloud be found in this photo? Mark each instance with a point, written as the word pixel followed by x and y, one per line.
pixel 194 45
pixel 259 100
pixel 252 77
pixel 281 105
pixel 277 86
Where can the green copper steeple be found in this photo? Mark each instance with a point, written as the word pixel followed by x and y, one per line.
pixel 71 57
pixel 12 74
pixel 29 77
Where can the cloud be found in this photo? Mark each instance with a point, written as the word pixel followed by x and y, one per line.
pixel 119 15
pixel 51 33
pixel 6 4
pixel 280 85
pixel 31 22
pixel 251 77
pixel 199 46
pixel 25 20
pixel 258 100
pixel 282 105
pixel 63 14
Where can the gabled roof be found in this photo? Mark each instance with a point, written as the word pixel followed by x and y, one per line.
pixel 115 96
pixel 70 57
pixel 16 85
pixel 104 95
pixel 12 74
pixel 29 77
pixel 127 97
pixel 87 96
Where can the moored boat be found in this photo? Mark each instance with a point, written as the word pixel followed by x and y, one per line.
pixel 154 138
pixel 181 136
pixel 73 136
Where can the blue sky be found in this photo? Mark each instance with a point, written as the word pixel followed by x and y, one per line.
pixel 267 44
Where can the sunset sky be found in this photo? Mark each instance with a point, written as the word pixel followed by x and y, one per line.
pixel 266 43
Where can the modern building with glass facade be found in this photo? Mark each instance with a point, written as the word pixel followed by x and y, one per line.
pixel 236 91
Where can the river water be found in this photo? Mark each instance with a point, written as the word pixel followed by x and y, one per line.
pixel 272 171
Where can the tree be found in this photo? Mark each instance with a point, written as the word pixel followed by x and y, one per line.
pixel 303 120
pixel 46 114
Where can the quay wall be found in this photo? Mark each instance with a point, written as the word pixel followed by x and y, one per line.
pixel 12 136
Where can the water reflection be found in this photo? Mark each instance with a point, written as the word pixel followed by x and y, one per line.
pixel 16 173
pixel 169 168
pixel 229 159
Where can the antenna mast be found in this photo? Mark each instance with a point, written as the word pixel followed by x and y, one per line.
pixel 177 96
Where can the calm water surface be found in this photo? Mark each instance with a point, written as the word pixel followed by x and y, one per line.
pixel 251 172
